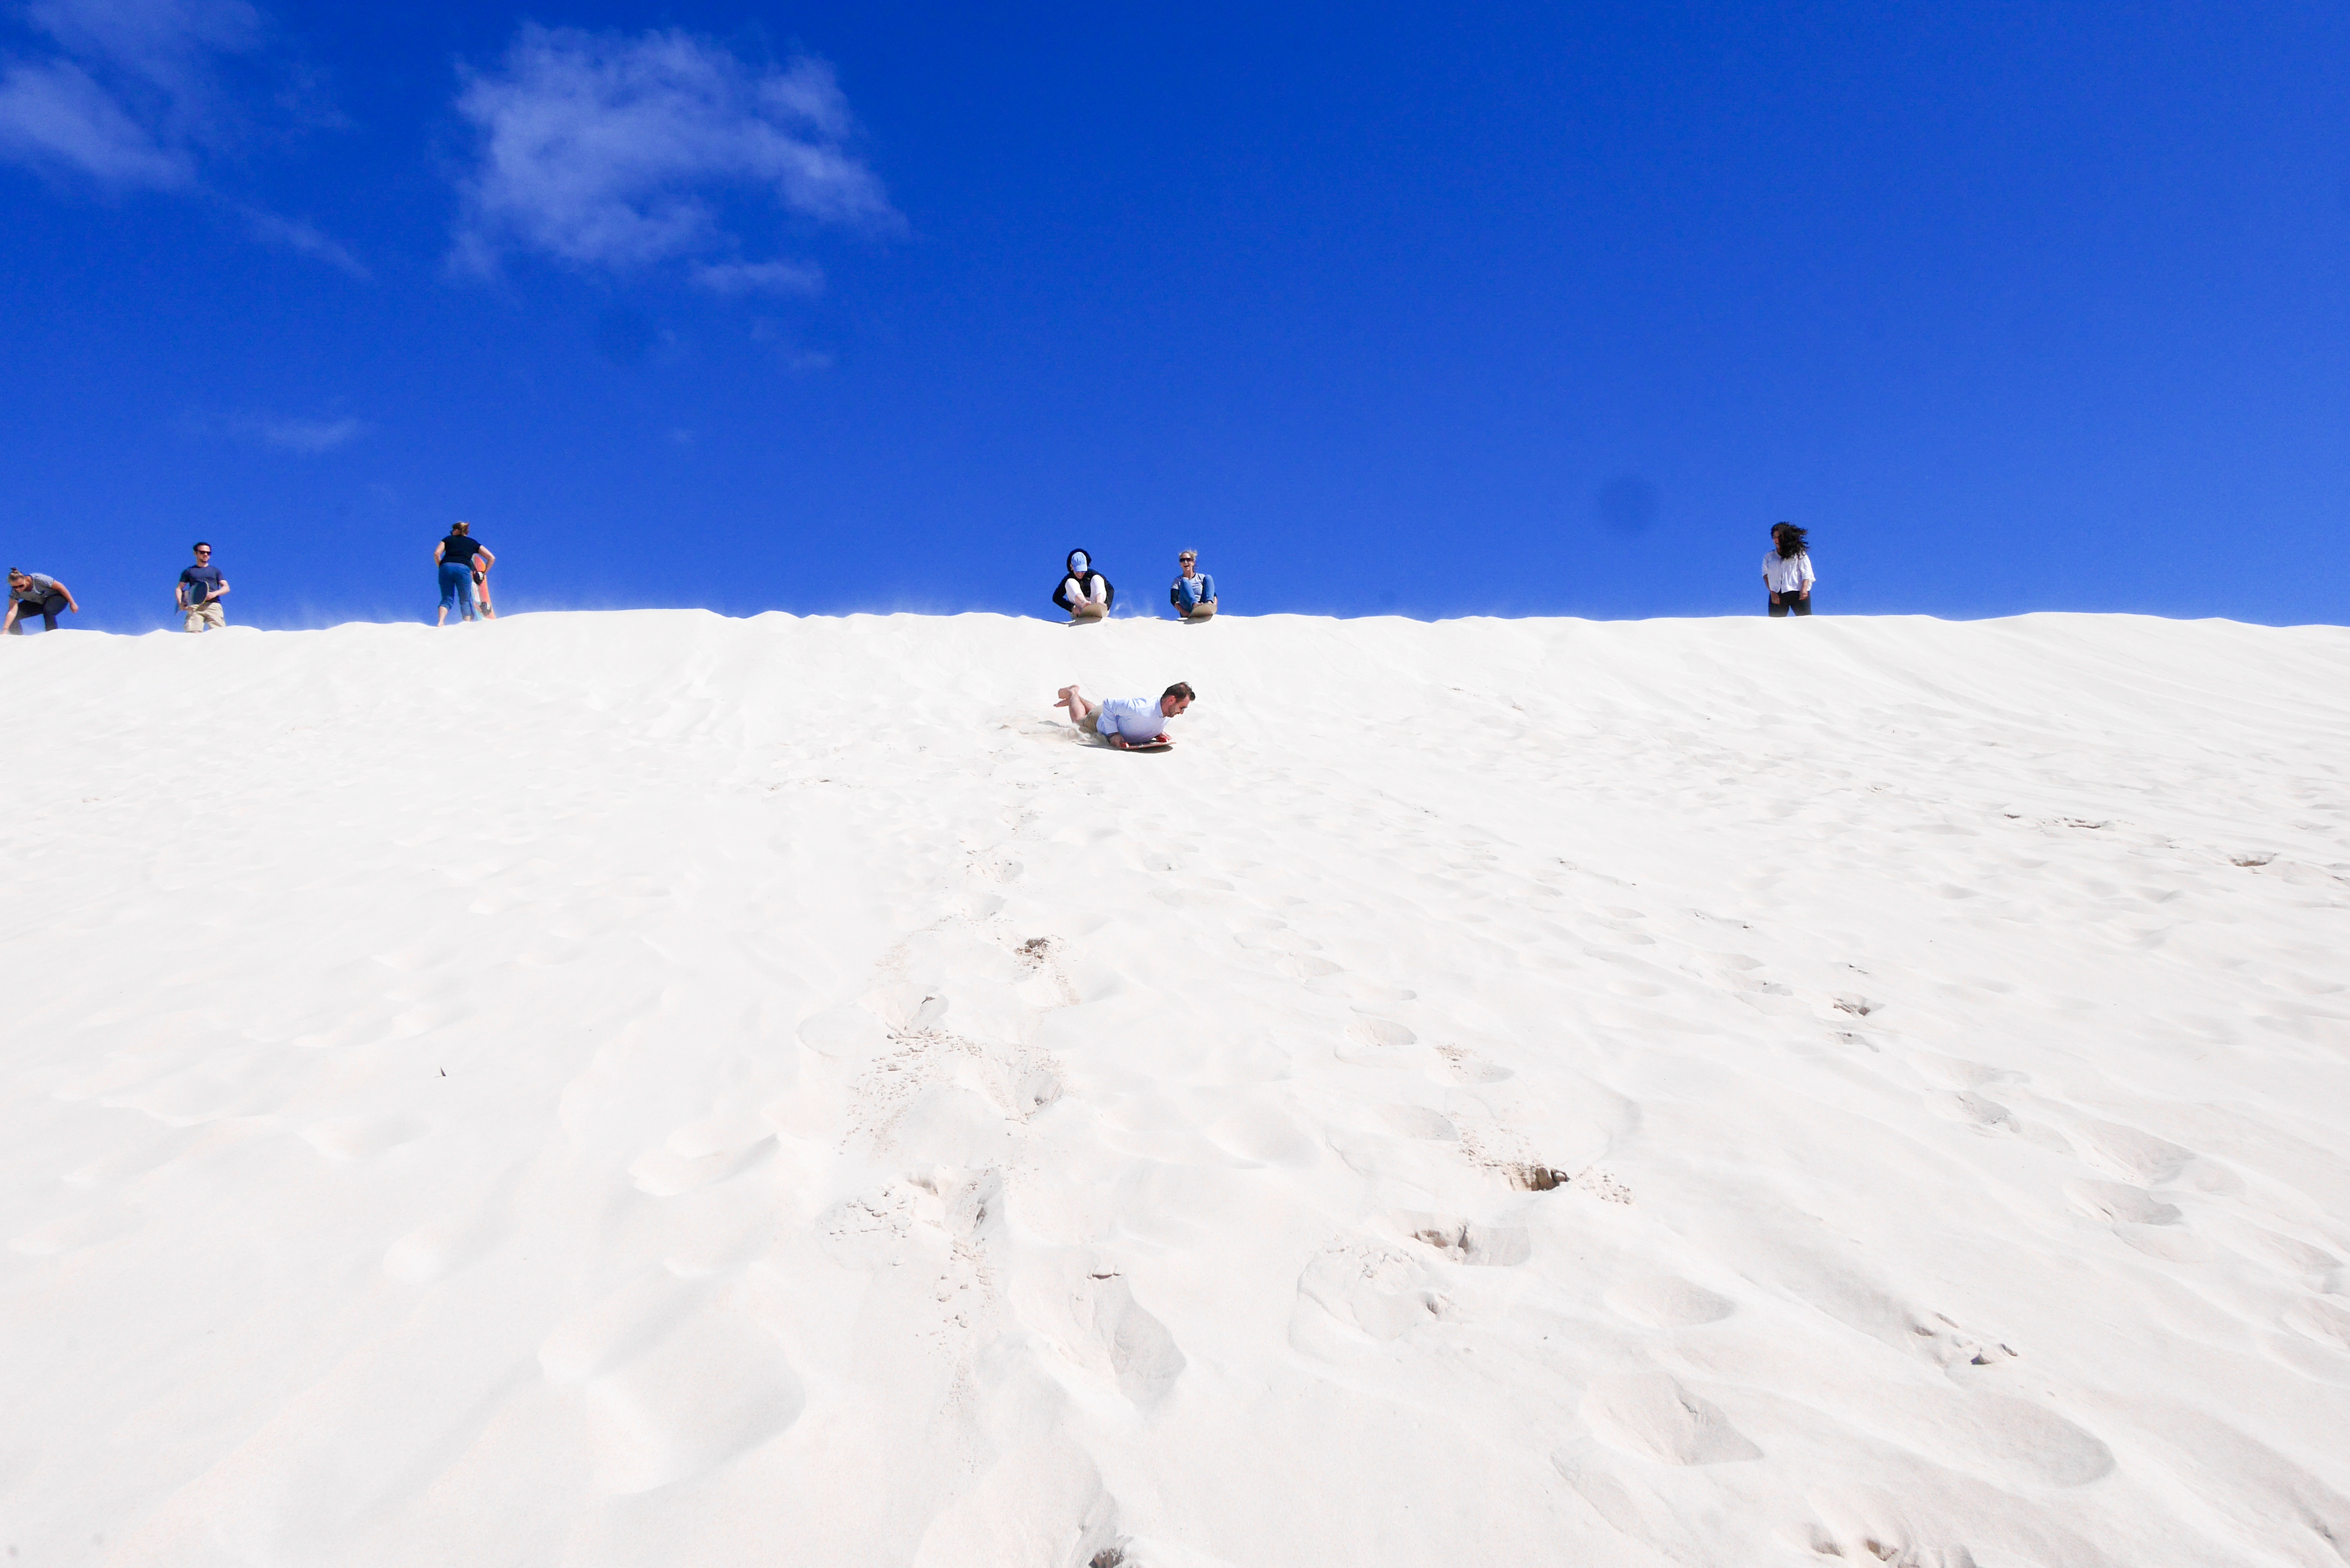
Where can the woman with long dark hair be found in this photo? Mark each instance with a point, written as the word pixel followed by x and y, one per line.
pixel 1787 571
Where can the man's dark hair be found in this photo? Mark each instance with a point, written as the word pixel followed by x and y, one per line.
pixel 202 545
pixel 1180 688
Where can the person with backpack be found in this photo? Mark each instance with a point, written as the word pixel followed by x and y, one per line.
pixel 200 591
pixel 456 556
pixel 1787 571
pixel 1084 593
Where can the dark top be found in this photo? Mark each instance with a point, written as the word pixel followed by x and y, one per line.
pixel 1085 582
pixel 457 547
pixel 202 584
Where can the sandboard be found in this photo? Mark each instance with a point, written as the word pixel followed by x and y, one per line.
pixel 1146 746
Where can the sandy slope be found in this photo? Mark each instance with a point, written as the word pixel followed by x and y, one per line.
pixel 648 1088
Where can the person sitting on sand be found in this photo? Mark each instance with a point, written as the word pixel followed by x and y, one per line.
pixel 1084 593
pixel 1126 722
pixel 1194 593
pixel 200 591
pixel 1787 571
pixel 31 594
pixel 457 555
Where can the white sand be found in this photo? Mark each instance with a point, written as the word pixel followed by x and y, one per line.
pixel 651 1089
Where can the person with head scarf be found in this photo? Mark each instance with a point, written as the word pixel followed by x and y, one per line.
pixel 1084 593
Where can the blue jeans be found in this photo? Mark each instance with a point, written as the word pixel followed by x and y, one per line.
pixel 457 587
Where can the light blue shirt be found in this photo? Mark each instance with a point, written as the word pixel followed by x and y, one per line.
pixel 1132 719
pixel 1193 591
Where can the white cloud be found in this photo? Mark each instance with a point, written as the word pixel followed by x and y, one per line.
pixel 132 96
pixel 54 115
pixel 604 150
pixel 301 435
pixel 761 278
pixel 170 44
pixel 296 234
pixel 131 91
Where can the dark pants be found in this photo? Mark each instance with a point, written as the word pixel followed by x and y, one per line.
pixel 1786 603
pixel 48 609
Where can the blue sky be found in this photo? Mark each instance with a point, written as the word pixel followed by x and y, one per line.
pixel 1524 309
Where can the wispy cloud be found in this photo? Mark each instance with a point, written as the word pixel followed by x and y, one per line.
pixel 53 115
pixel 606 150
pixel 131 94
pixel 760 277
pixel 129 91
pixel 302 435
pixel 296 234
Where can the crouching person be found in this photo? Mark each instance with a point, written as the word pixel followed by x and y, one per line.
pixel 34 594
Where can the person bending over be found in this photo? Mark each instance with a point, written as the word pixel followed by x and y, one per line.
pixel 458 555
pixel 1084 593
pixel 31 594
pixel 200 591
pixel 1126 722
pixel 1194 593
pixel 1787 571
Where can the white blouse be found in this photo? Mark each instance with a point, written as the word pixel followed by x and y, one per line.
pixel 1788 575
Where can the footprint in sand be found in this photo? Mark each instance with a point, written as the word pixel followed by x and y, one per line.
pixel 1084 1304
pixel 1458 1065
pixel 1664 1301
pixel 1652 1417
pixel 436 1250
pixel 2115 1203
pixel 1372 1287
pixel 1419 1121
pixel 356 1139
pixel 2322 1321
pixel 1463 1241
pixel 713 1387
pixel 1379 1043
pixel 1972 1109
pixel 2125 1153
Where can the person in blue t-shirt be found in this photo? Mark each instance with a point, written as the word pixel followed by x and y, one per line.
pixel 200 591
pixel 1126 722
pixel 1194 593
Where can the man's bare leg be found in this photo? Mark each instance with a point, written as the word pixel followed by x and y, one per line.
pixel 1080 706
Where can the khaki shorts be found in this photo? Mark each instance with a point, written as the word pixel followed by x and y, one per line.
pixel 1091 723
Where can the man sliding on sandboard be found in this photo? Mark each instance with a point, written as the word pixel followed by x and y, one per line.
pixel 1129 723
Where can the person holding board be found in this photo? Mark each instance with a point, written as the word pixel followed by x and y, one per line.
pixel 1129 724
pixel 1084 593
pixel 200 591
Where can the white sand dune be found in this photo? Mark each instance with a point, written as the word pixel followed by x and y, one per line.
pixel 648 1088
